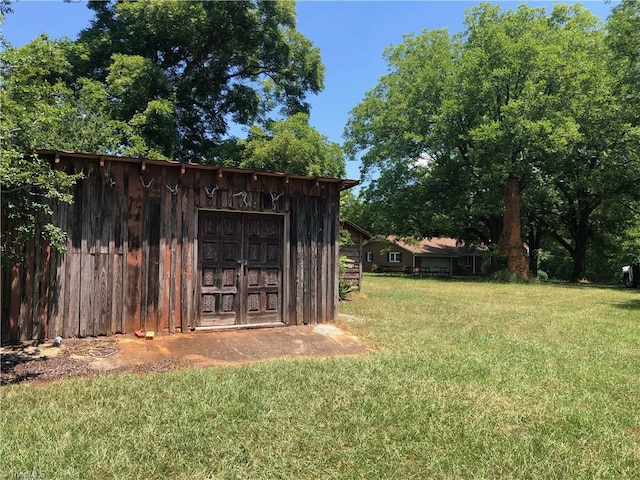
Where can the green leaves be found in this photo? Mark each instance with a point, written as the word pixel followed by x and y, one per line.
pixel 293 146
pixel 159 79
pixel 521 94
pixel 27 186
pixel 210 62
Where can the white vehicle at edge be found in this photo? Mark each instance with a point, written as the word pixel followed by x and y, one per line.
pixel 631 274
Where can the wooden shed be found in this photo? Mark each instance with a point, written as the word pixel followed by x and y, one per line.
pixel 171 246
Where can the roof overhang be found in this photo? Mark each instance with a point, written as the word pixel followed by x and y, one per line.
pixel 364 233
pixel 344 184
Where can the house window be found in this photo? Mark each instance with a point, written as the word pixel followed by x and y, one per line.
pixel 395 257
pixel 467 261
pixel 369 257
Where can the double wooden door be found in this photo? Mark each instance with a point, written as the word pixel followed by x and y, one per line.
pixel 240 268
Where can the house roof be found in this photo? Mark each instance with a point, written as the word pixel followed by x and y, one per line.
pixel 344 183
pixel 432 247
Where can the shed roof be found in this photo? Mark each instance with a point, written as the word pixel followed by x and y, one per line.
pixel 344 183
pixel 353 226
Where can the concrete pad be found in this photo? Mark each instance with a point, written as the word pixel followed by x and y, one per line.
pixel 229 347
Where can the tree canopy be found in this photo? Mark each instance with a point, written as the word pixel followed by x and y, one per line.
pixel 293 146
pixel 522 103
pixel 159 79
pixel 182 71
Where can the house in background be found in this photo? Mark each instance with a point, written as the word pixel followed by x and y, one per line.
pixel 426 257
pixel 352 249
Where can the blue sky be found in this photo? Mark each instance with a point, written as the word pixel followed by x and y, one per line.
pixel 351 36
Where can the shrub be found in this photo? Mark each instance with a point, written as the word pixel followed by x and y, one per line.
pixel 505 276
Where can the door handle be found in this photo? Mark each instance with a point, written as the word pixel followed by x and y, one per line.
pixel 243 265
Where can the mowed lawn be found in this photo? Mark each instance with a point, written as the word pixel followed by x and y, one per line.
pixel 468 379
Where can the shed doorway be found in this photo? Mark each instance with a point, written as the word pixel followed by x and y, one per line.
pixel 240 268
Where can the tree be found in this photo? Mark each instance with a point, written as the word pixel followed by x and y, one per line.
pixel 623 40
pixel 501 115
pixel 154 79
pixel 590 157
pixel 293 146
pixel 180 72
pixel 457 103
pixel 35 100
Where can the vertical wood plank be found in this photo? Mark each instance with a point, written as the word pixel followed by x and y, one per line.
pixel 162 247
pixel 16 295
pixel 103 307
pixel 166 256
pixel 28 280
pixel 87 295
pixel 325 264
pixel 313 262
pixel 9 322
pixel 133 277
pixel 144 268
pixel 174 294
pixel 184 258
pixel 286 269
pixel 306 253
pixel 333 214
pixel 152 274
pixel 116 247
pixel 34 301
pixel 56 277
pixel 188 290
pixel 301 234
pixel 103 255
pixel 44 295
pixel 120 248
pixel 172 266
pixel 73 281
pixel 195 176
pixel 87 259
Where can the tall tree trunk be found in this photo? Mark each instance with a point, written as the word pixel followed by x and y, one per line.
pixel 511 251
pixel 494 226
pixel 579 254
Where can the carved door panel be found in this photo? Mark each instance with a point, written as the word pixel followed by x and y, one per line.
pixel 220 249
pixel 240 268
pixel 263 280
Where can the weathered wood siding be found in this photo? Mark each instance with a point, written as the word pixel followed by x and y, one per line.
pixel 352 249
pixel 132 261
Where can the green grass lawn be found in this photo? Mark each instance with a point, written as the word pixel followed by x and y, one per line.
pixel 468 379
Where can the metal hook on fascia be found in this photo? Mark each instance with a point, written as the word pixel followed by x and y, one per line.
pixel 173 190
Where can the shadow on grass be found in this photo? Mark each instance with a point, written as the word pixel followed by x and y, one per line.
pixel 630 305
pixel 489 279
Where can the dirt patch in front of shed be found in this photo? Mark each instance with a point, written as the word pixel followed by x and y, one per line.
pixel 127 353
